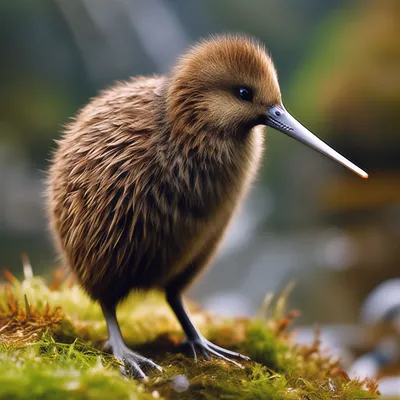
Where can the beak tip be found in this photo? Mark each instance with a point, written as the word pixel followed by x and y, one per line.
pixel 364 175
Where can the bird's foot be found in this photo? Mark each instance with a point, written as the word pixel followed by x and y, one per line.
pixel 134 364
pixel 207 349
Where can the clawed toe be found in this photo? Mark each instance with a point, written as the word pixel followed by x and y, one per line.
pixel 225 352
pixel 131 369
pixel 134 365
pixel 147 363
pixel 207 349
pixel 187 347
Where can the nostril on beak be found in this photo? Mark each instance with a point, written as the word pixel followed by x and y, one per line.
pixel 277 113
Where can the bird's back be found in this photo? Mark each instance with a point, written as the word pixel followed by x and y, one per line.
pixel 100 166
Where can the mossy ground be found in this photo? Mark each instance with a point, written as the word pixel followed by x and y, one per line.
pixel 51 341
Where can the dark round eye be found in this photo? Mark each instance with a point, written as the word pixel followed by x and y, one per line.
pixel 244 93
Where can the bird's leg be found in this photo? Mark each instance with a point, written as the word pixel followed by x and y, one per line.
pixel 133 362
pixel 195 340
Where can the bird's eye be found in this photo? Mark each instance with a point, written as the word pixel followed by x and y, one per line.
pixel 244 93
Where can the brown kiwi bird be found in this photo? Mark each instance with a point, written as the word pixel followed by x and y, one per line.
pixel 146 178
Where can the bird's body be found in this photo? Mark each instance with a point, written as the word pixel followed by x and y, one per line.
pixel 134 208
pixel 145 180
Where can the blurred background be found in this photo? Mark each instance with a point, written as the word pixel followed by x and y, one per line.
pixel 308 220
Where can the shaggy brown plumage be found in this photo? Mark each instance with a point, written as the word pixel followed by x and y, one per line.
pixel 152 168
pixel 147 177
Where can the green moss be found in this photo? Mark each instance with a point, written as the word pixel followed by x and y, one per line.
pixel 52 363
pixel 51 370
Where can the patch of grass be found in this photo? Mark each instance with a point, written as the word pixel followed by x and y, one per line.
pixel 41 357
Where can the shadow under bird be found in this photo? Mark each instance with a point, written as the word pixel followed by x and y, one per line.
pixel 145 180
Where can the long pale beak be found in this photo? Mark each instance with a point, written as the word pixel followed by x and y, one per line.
pixel 281 120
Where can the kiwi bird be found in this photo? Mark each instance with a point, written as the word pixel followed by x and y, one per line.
pixel 145 180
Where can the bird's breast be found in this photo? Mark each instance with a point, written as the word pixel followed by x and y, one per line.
pixel 192 192
pixel 200 184
pixel 197 197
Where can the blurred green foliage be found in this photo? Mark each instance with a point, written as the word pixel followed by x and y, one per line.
pixel 353 83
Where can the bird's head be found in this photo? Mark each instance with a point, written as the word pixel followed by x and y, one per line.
pixel 227 85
